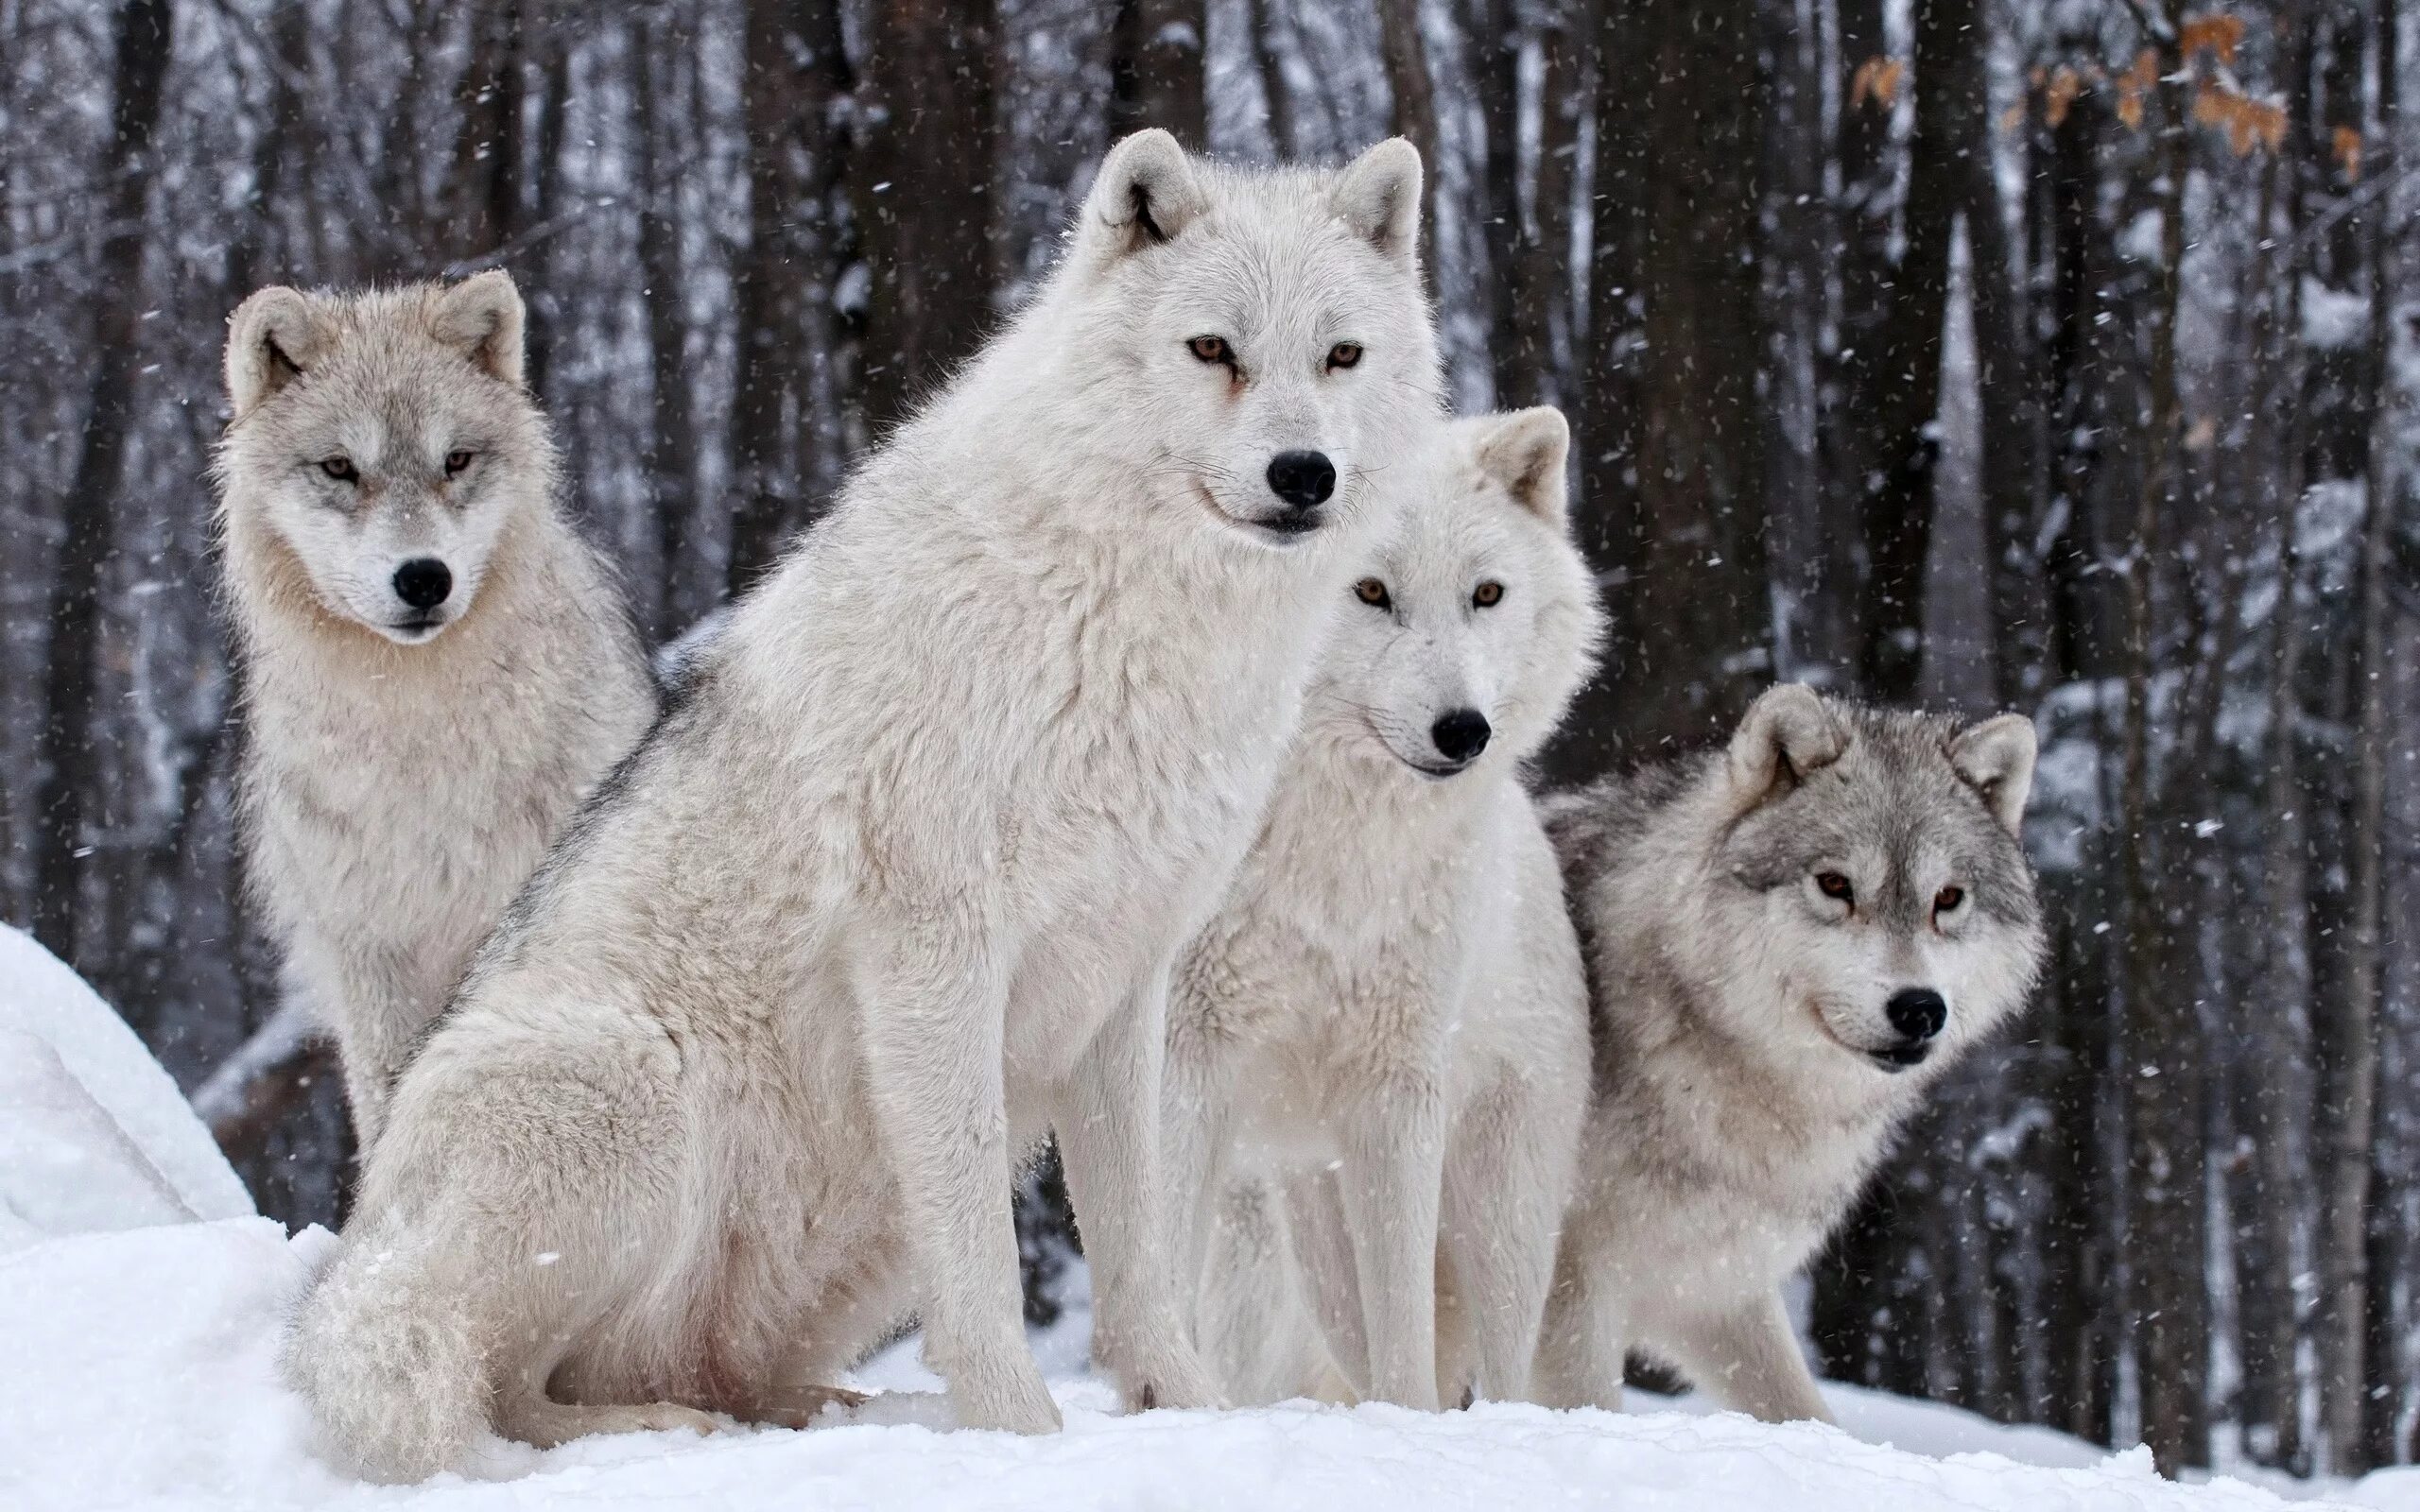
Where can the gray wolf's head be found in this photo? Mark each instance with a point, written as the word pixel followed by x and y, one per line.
pixel 385 441
pixel 1870 887
pixel 1476 622
pixel 1259 334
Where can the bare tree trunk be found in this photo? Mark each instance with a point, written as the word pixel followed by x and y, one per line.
pixel 798 78
pixel 64 755
pixel 2347 1103
pixel 2167 1163
pixel 924 192
pixel 1275 98
pixel 671 456
pixel 1415 106
pixel 483 190
pixel 1528 248
pixel 1156 71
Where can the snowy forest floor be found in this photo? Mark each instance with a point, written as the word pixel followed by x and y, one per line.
pixel 137 1370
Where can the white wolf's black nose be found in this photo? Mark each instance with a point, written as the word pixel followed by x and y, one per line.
pixel 1303 479
pixel 424 582
pixel 1460 735
pixel 1917 1012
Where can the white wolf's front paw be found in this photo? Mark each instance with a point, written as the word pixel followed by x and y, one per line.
pixel 1004 1392
pixel 1175 1377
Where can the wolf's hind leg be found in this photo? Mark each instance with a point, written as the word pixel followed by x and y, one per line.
pixel 1749 1358
pixel 1582 1341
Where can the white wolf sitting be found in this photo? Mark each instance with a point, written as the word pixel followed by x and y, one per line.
pixel 896 887
pixel 1787 942
pixel 1388 1019
pixel 437 668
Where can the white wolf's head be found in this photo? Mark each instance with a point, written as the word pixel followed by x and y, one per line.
pixel 1477 621
pixel 1870 893
pixel 1260 336
pixel 384 441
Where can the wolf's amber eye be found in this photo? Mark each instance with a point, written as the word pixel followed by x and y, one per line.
pixel 340 468
pixel 1487 594
pixel 1344 354
pixel 1947 900
pixel 1373 593
pixel 1211 348
pixel 456 462
pixel 1832 885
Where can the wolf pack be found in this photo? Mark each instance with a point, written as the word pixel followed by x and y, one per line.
pixel 1133 757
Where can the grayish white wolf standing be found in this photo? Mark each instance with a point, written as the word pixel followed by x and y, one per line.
pixel 436 667
pixel 897 885
pixel 1787 942
pixel 1387 1020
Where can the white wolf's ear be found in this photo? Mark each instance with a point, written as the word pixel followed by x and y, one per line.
pixel 1996 759
pixel 1786 734
pixel 1524 451
pixel 1145 193
pixel 1378 195
pixel 483 317
pixel 272 338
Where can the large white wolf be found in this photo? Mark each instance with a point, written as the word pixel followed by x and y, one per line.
pixel 896 885
pixel 437 668
pixel 1387 1020
pixel 1787 940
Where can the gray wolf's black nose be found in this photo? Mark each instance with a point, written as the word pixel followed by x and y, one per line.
pixel 1917 1012
pixel 424 582
pixel 1303 479
pixel 1460 735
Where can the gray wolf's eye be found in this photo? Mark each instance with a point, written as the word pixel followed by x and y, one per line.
pixel 1211 348
pixel 1487 594
pixel 456 462
pixel 340 468
pixel 1832 885
pixel 1344 354
pixel 1373 593
pixel 1947 900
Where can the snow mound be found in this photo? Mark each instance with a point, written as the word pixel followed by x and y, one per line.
pixel 137 1369
pixel 93 1135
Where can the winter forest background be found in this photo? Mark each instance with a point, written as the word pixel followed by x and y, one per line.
pixel 2050 354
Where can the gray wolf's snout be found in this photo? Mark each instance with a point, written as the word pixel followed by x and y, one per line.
pixel 1303 479
pixel 1459 735
pixel 1918 1013
pixel 424 582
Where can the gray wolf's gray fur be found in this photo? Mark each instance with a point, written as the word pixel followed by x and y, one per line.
pixel 406 767
pixel 1387 1020
pixel 1762 926
pixel 896 885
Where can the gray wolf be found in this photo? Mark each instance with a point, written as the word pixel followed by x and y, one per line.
pixel 895 886
pixel 1388 1019
pixel 437 668
pixel 1788 941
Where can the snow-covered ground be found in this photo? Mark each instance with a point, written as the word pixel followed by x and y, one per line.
pixel 137 1349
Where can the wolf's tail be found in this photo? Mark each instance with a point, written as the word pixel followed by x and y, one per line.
pixel 389 1361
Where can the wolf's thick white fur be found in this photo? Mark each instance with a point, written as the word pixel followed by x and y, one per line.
pixel 1750 918
pixel 896 885
pixel 1388 1021
pixel 404 773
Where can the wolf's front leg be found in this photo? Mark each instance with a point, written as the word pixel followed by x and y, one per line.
pixel 934 1021
pixel 1108 1124
pixel 1196 1102
pixel 1390 1182
pixel 377 1017
pixel 1749 1358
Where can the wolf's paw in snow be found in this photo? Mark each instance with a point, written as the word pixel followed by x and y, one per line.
pixel 1009 1400
pixel 1177 1380
pixel 799 1407
pixel 547 1424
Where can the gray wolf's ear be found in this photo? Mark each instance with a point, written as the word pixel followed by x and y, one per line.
pixel 1378 195
pixel 1523 450
pixel 482 316
pixel 1996 760
pixel 1786 734
pixel 1145 193
pixel 272 338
